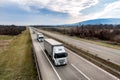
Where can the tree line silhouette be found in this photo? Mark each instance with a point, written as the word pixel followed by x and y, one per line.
pixel 11 29
pixel 102 32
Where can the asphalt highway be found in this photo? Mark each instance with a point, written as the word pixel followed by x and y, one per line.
pixel 77 67
pixel 106 53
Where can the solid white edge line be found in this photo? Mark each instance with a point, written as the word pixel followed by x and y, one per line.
pixel 96 66
pixel 80 71
pixel 51 64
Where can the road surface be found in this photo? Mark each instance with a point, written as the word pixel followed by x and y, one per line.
pixel 106 53
pixel 77 67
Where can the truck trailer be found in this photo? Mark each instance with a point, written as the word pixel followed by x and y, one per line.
pixel 56 51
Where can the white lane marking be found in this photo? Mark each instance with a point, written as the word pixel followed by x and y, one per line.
pixel 80 71
pixel 95 49
pixel 96 66
pixel 51 64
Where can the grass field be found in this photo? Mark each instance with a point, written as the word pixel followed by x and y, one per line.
pixel 5 40
pixel 16 62
pixel 6 37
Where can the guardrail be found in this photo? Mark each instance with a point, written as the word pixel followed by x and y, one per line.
pixel 36 62
pixel 37 66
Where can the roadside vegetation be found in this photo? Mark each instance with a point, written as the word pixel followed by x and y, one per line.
pixel 105 35
pixel 16 61
pixel 11 29
pixel 4 42
pixel 6 37
pixel 7 34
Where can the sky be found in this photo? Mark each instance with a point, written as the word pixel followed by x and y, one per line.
pixel 55 12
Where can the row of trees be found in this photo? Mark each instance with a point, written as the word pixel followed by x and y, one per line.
pixel 11 29
pixel 102 32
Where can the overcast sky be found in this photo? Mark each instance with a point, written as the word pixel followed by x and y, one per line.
pixel 23 12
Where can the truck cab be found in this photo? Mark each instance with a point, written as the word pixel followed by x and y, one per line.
pixel 40 37
pixel 59 55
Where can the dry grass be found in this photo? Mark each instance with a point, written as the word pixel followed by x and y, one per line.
pixel 6 37
pixel 5 41
pixel 16 63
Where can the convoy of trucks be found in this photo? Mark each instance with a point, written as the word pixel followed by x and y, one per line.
pixel 56 51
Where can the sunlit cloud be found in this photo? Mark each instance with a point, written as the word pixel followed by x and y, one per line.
pixel 111 10
pixel 71 9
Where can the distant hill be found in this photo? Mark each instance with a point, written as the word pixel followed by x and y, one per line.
pixel 100 21
pixel 97 21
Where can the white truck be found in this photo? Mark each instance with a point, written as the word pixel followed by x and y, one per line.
pixel 40 37
pixel 56 51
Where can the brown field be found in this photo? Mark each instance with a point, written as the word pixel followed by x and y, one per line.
pixel 4 42
pixel 16 59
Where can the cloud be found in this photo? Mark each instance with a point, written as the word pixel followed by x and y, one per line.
pixel 72 7
pixel 111 10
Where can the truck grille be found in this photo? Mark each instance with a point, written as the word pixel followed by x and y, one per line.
pixel 61 61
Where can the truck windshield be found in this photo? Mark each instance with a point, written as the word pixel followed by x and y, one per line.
pixel 40 37
pixel 60 55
